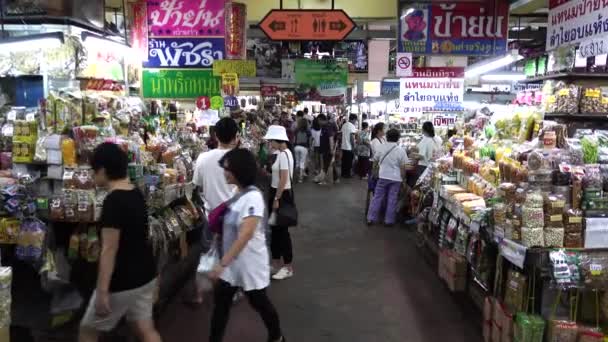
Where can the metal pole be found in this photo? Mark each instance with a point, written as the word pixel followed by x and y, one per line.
pixel 281 4
pixel 2 17
pixel 333 4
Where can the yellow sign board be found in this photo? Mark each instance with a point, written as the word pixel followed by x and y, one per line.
pixel 230 84
pixel 243 68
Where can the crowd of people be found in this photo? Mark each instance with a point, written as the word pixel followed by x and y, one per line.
pixel 226 177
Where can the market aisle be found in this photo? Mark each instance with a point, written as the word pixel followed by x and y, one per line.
pixel 353 284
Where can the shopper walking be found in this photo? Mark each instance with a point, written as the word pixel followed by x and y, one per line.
pixel 349 129
pixel 392 160
pixel 364 151
pixel 126 281
pixel 303 139
pixel 327 148
pixel 209 176
pixel 316 143
pixel 244 263
pixel 280 191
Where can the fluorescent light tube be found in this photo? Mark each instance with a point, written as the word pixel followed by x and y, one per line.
pixel 32 42
pixel 493 64
pixel 103 42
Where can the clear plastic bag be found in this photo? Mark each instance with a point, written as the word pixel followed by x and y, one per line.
pixel 208 261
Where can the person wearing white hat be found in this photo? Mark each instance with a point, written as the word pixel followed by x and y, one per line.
pixel 280 191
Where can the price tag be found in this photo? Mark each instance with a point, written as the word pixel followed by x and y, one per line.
pixel 595 93
pixel 593 47
pixel 596 269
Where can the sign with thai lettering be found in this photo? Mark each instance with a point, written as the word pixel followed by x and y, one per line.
pixel 230 83
pixel 389 88
pixel 179 84
pixel 463 28
pixel 573 21
pixel 450 72
pixel 430 94
pixel 243 68
pixel 184 52
pixel 321 80
pixel 186 18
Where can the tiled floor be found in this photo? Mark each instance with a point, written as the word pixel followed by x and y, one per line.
pixel 353 283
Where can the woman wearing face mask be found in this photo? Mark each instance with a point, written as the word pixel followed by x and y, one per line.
pixel 244 264
pixel 280 191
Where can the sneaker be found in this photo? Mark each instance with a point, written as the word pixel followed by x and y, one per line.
pixel 238 296
pixel 283 274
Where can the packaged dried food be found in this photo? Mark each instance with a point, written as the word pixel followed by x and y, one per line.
pixel 534 199
pixel 529 328
pixel 549 140
pixel 554 221
pixel 591 100
pixel 69 179
pixel 535 160
pixel 554 204
pixel 554 237
pixel 566 98
pixel 85 208
pixel 56 209
pixel 577 192
pixel 532 237
pixel 594 269
pixel 565 268
pixel 499 213
pixel 573 240
pixel 83 178
pixel 515 291
pixel 561 331
pixel 590 148
pixel 68 151
pixel 533 217
pixel 573 221
pixel 593 178
pixel 590 334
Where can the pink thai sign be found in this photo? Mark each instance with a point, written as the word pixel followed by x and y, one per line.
pixel 186 18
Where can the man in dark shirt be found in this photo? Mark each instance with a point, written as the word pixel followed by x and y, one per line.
pixel 327 148
pixel 126 283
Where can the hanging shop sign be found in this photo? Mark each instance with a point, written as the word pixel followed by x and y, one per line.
pixel 179 84
pixel 513 252
pixel 203 103
pixel 181 18
pixel 217 102
pixel 242 68
pixel 403 64
pixel 236 26
pixel 430 94
pixel 230 83
pixel 389 88
pixel 104 85
pixel 444 120
pixel 593 47
pixel 231 102
pixel 450 72
pixel 463 28
pixel 307 25
pixel 184 52
pixel 267 56
pixel 139 29
pixel 574 21
pixel 321 80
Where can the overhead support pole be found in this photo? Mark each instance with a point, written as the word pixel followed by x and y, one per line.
pixel 281 4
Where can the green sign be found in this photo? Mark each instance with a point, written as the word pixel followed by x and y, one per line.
pixel 180 84
pixel 321 78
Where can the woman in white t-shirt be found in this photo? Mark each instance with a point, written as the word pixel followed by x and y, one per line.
pixel 430 147
pixel 377 137
pixel 280 191
pixel 316 144
pixel 244 263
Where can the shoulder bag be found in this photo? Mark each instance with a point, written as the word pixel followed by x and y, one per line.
pixel 376 168
pixel 287 213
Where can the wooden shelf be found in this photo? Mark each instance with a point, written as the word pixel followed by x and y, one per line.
pixel 577 117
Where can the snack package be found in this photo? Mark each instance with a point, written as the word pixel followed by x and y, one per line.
pixel 594 269
pixel 515 292
pixel 532 237
pixel 554 237
pixel 529 328
pixel 561 331
pixel 565 268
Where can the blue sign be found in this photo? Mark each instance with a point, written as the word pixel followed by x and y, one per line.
pixel 231 102
pixel 389 88
pixel 192 52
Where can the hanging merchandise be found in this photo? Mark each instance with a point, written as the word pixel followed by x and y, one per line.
pixel 230 84
pixel 236 30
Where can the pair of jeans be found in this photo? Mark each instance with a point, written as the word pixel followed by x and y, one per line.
pixel 385 190
pixel 280 239
pixel 224 293
pixel 347 163
pixel 301 158
pixel 327 157
pixel 364 166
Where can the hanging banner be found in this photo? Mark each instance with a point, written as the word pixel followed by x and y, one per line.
pixel 139 29
pixel 243 68
pixel 419 95
pixel 230 84
pixel 179 84
pixel 438 72
pixel 184 52
pixel 267 56
pixel 321 80
pixel 288 69
pixel 463 28
pixel 574 21
pixel 236 30
pixel 180 18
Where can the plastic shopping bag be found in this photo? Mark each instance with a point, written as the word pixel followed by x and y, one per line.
pixel 208 261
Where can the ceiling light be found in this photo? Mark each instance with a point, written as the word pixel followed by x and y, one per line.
pixel 514 77
pixel 492 64
pixel 103 42
pixel 33 41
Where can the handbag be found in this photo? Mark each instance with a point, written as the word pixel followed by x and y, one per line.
pixel 376 167
pixel 216 216
pixel 287 213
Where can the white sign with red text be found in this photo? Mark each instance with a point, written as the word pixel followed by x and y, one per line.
pixel 574 21
pixel 418 95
